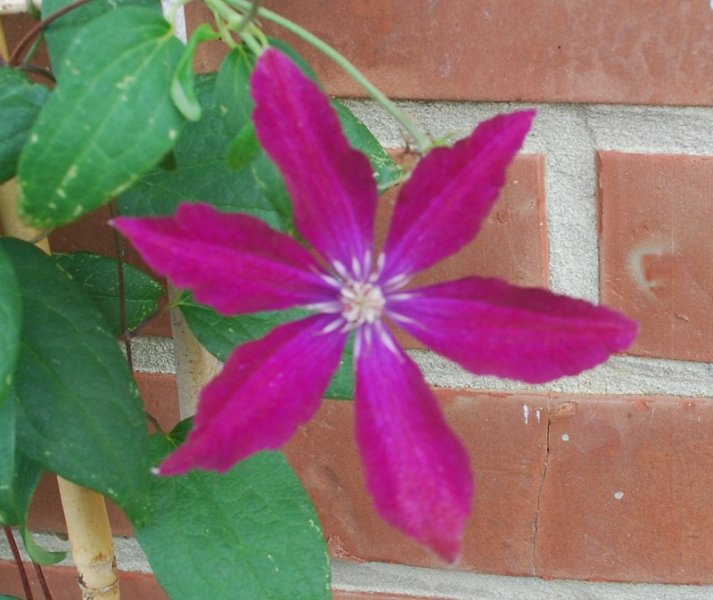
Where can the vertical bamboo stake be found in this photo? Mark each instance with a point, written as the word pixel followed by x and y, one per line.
pixel 84 510
pixel 195 366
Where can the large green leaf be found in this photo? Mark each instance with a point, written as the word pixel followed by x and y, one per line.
pixel 99 276
pixel 10 323
pixel 19 477
pixel 109 120
pixel 201 172
pixel 79 413
pixel 249 533
pixel 220 335
pixel 20 103
pixel 61 33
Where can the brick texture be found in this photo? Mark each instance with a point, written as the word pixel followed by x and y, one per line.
pixel 627 490
pixel 62 582
pixel 614 51
pixel 576 487
pixel 508 455
pixel 656 249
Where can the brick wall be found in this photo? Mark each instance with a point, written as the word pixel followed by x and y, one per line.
pixel 602 477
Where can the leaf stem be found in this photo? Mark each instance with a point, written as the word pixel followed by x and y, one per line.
pixel 43 582
pixel 422 141
pixel 119 246
pixel 18 561
pixel 39 27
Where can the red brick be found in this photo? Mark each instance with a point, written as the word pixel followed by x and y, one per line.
pixel 656 250
pixel 507 453
pixel 626 494
pixel 613 51
pixel 62 582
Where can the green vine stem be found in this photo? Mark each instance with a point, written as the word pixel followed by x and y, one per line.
pixel 423 142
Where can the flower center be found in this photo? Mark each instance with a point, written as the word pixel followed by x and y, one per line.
pixel 362 302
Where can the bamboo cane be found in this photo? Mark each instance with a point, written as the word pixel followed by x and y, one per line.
pixel 84 510
pixel 195 366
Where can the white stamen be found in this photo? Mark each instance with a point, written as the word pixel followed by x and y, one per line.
pixel 324 307
pixel 380 261
pixel 357 346
pixel 340 269
pixel 396 282
pixel 362 302
pixel 367 336
pixel 328 279
pixel 401 296
pixel 386 338
pixel 401 318
pixel 332 326
pixel 356 268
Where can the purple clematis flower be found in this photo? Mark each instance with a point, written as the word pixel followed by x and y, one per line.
pixel 417 470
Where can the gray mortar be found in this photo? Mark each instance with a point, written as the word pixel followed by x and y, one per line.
pixel 427 583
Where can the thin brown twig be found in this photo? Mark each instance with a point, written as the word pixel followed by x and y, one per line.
pixel 39 27
pixel 118 244
pixel 125 332
pixel 18 561
pixel 43 582
pixel 33 69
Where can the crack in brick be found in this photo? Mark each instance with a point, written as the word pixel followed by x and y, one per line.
pixel 536 522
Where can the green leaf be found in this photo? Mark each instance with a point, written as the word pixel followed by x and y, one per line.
pixel 202 172
pixel 220 335
pixel 19 477
pixel 4 597
pixel 99 276
pixel 61 33
pixel 79 413
pixel 244 148
pixel 252 529
pixel 183 91
pixel 232 89
pixel 20 103
pixel 38 553
pixel 10 323
pixel 109 120
pixel 386 171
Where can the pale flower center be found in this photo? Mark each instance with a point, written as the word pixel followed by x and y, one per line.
pixel 362 302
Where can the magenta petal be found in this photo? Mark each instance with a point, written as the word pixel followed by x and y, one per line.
pixel 331 184
pixel 233 262
pixel 416 469
pixel 266 390
pixel 449 194
pixel 493 328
